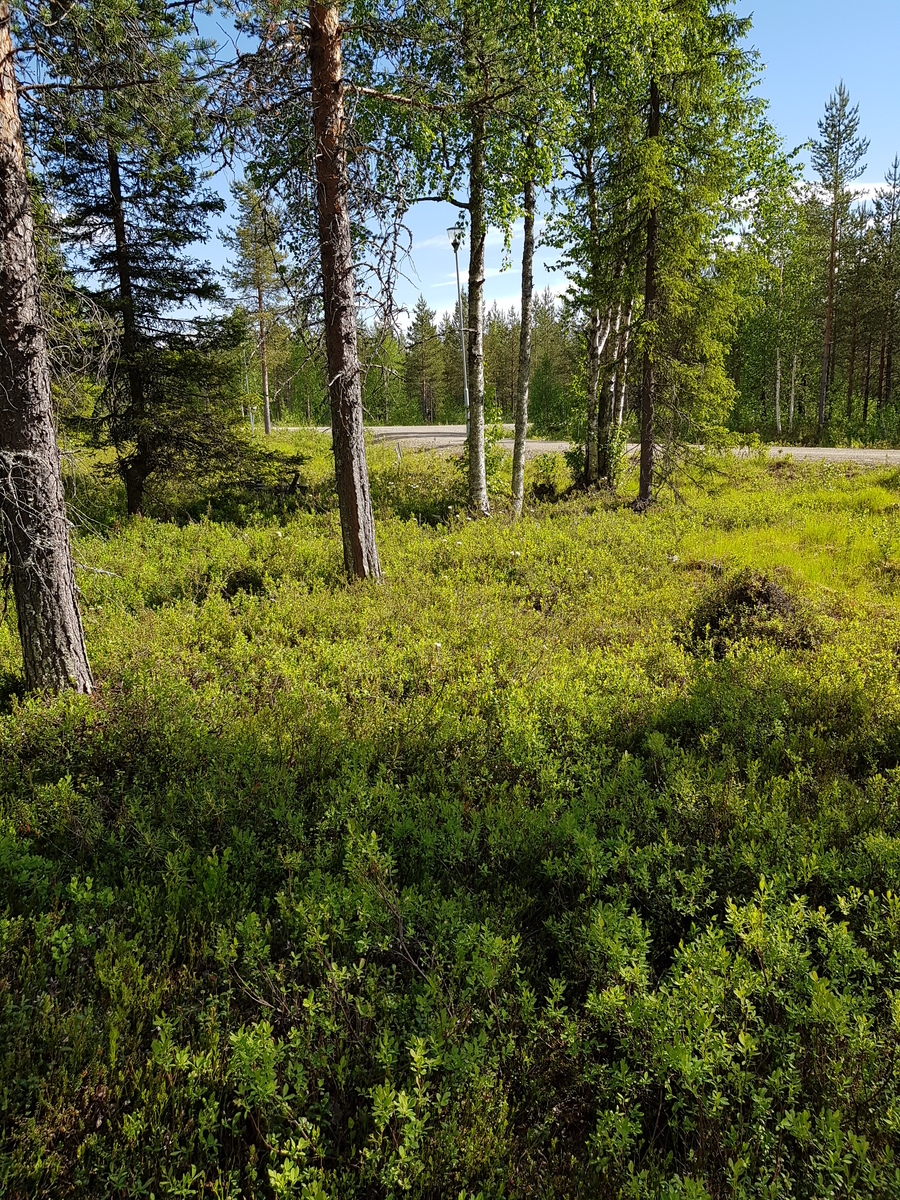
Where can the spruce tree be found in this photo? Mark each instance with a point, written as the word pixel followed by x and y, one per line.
pixel 121 140
pixel 256 269
pixel 424 368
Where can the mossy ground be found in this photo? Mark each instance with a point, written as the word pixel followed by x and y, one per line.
pixel 489 881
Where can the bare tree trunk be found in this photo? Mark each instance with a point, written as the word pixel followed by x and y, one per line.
pixel 263 360
pixel 829 316
pixel 891 306
pixel 778 353
pixel 518 469
pixel 478 493
pixel 868 385
pixel 35 534
pixel 851 377
pixel 645 491
pixel 342 351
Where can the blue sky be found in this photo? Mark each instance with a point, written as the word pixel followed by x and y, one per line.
pixel 806 46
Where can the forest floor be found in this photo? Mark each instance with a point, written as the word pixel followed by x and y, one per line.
pixel 564 863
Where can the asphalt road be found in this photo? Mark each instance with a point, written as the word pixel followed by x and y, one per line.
pixel 452 437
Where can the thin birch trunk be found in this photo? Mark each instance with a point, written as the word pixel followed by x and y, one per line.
pixel 592 440
pixel 518 470
pixel 478 492
pixel 648 382
pixel 793 400
pixel 622 364
pixel 607 404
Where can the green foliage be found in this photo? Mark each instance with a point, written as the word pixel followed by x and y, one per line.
pixel 496 455
pixel 478 883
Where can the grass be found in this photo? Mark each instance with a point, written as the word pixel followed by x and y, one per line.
pixel 494 881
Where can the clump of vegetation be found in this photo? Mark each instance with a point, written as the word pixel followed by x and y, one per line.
pixel 751 605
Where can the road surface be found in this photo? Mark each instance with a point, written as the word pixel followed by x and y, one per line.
pixel 452 437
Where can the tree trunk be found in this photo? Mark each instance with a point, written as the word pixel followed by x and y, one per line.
pixel 592 439
pixel 478 493
pixel 778 353
pixel 851 374
pixel 607 405
pixel 35 533
pixel 829 316
pixel 622 364
pixel 264 361
pixel 135 467
pixel 868 383
pixel 342 352
pixel 518 470
pixel 645 492
pixel 793 400
pixel 891 305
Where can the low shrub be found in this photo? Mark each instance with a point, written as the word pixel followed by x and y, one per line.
pixel 751 604
pixel 476 884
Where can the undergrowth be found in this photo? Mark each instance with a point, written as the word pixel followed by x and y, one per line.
pixel 501 880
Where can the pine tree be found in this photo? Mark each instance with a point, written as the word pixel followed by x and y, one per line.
pixel 33 526
pixel 339 296
pixel 837 158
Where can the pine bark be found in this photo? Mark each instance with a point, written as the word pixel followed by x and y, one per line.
pixel 651 286
pixel 478 492
pixel 524 377
pixel 889 317
pixel 829 312
pixel 778 353
pixel 33 524
pixel 879 395
pixel 851 373
pixel 264 360
pixel 341 345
